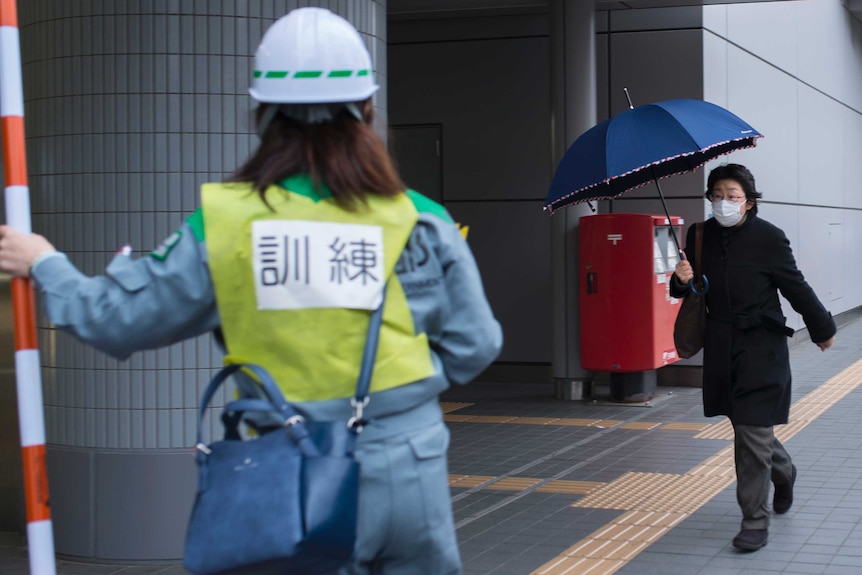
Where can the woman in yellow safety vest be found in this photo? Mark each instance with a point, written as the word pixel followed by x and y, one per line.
pixel 285 260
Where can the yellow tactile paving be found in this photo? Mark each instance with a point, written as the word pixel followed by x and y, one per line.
pixel 720 464
pixel 536 420
pixel 600 423
pixel 614 550
pixel 645 425
pixel 468 480
pixel 625 492
pixel 450 406
pixel 521 483
pixel 657 502
pixel 651 518
pixel 493 419
pixel 458 418
pixel 610 547
pixel 576 422
pixel 449 417
pixel 680 426
pixel 720 430
pixel 607 423
pixel 637 533
pixel 514 419
pixel 566 486
pixel 785 432
pixel 660 492
pixel 589 422
pixel 563 565
pixel 513 484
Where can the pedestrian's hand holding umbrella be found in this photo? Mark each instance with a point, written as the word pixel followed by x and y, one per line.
pixel 685 274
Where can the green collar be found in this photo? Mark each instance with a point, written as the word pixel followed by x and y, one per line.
pixel 301 184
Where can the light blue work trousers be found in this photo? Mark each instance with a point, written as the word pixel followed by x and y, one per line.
pixel 405 510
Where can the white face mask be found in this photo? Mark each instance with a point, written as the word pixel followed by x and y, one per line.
pixel 727 213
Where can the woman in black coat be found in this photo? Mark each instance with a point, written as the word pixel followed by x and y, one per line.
pixel 746 364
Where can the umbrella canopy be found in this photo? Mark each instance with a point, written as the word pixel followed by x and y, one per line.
pixel 643 144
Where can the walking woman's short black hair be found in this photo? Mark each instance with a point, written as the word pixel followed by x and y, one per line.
pixel 737 173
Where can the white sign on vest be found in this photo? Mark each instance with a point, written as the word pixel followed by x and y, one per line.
pixel 301 264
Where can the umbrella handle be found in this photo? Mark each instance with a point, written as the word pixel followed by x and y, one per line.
pixel 692 285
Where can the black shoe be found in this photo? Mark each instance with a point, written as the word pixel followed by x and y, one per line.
pixel 783 498
pixel 751 539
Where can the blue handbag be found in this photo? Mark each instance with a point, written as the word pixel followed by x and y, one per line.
pixel 286 501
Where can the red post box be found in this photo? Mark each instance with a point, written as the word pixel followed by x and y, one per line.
pixel 626 312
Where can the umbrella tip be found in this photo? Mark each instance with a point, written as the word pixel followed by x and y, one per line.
pixel 626 90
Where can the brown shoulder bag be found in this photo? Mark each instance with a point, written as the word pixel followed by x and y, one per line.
pixel 691 321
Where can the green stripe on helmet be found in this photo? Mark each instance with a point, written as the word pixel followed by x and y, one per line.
pixel 279 74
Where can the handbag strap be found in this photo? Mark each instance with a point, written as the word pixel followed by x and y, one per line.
pixel 699 284
pixel 275 403
pixel 360 399
pixel 278 404
pixel 370 351
pixel 698 247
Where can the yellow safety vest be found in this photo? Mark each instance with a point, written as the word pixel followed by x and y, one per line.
pixel 313 353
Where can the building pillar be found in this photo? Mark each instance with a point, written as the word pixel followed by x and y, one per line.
pixel 573 111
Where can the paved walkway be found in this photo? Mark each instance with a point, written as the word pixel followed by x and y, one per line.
pixel 542 486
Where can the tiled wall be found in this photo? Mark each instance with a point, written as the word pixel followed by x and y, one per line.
pixel 129 107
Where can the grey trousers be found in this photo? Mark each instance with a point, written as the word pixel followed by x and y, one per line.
pixel 760 458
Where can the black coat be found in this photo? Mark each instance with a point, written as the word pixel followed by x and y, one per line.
pixel 746 363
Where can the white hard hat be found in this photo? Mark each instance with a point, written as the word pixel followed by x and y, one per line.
pixel 312 56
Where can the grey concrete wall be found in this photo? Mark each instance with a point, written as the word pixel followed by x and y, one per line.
pixel 484 81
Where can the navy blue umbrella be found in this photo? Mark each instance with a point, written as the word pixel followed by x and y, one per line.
pixel 645 144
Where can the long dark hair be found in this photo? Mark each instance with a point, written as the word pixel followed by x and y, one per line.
pixel 344 153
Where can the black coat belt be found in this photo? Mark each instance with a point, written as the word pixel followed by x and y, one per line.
pixel 745 321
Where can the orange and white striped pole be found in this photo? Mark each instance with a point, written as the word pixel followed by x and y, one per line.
pixel 40 533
